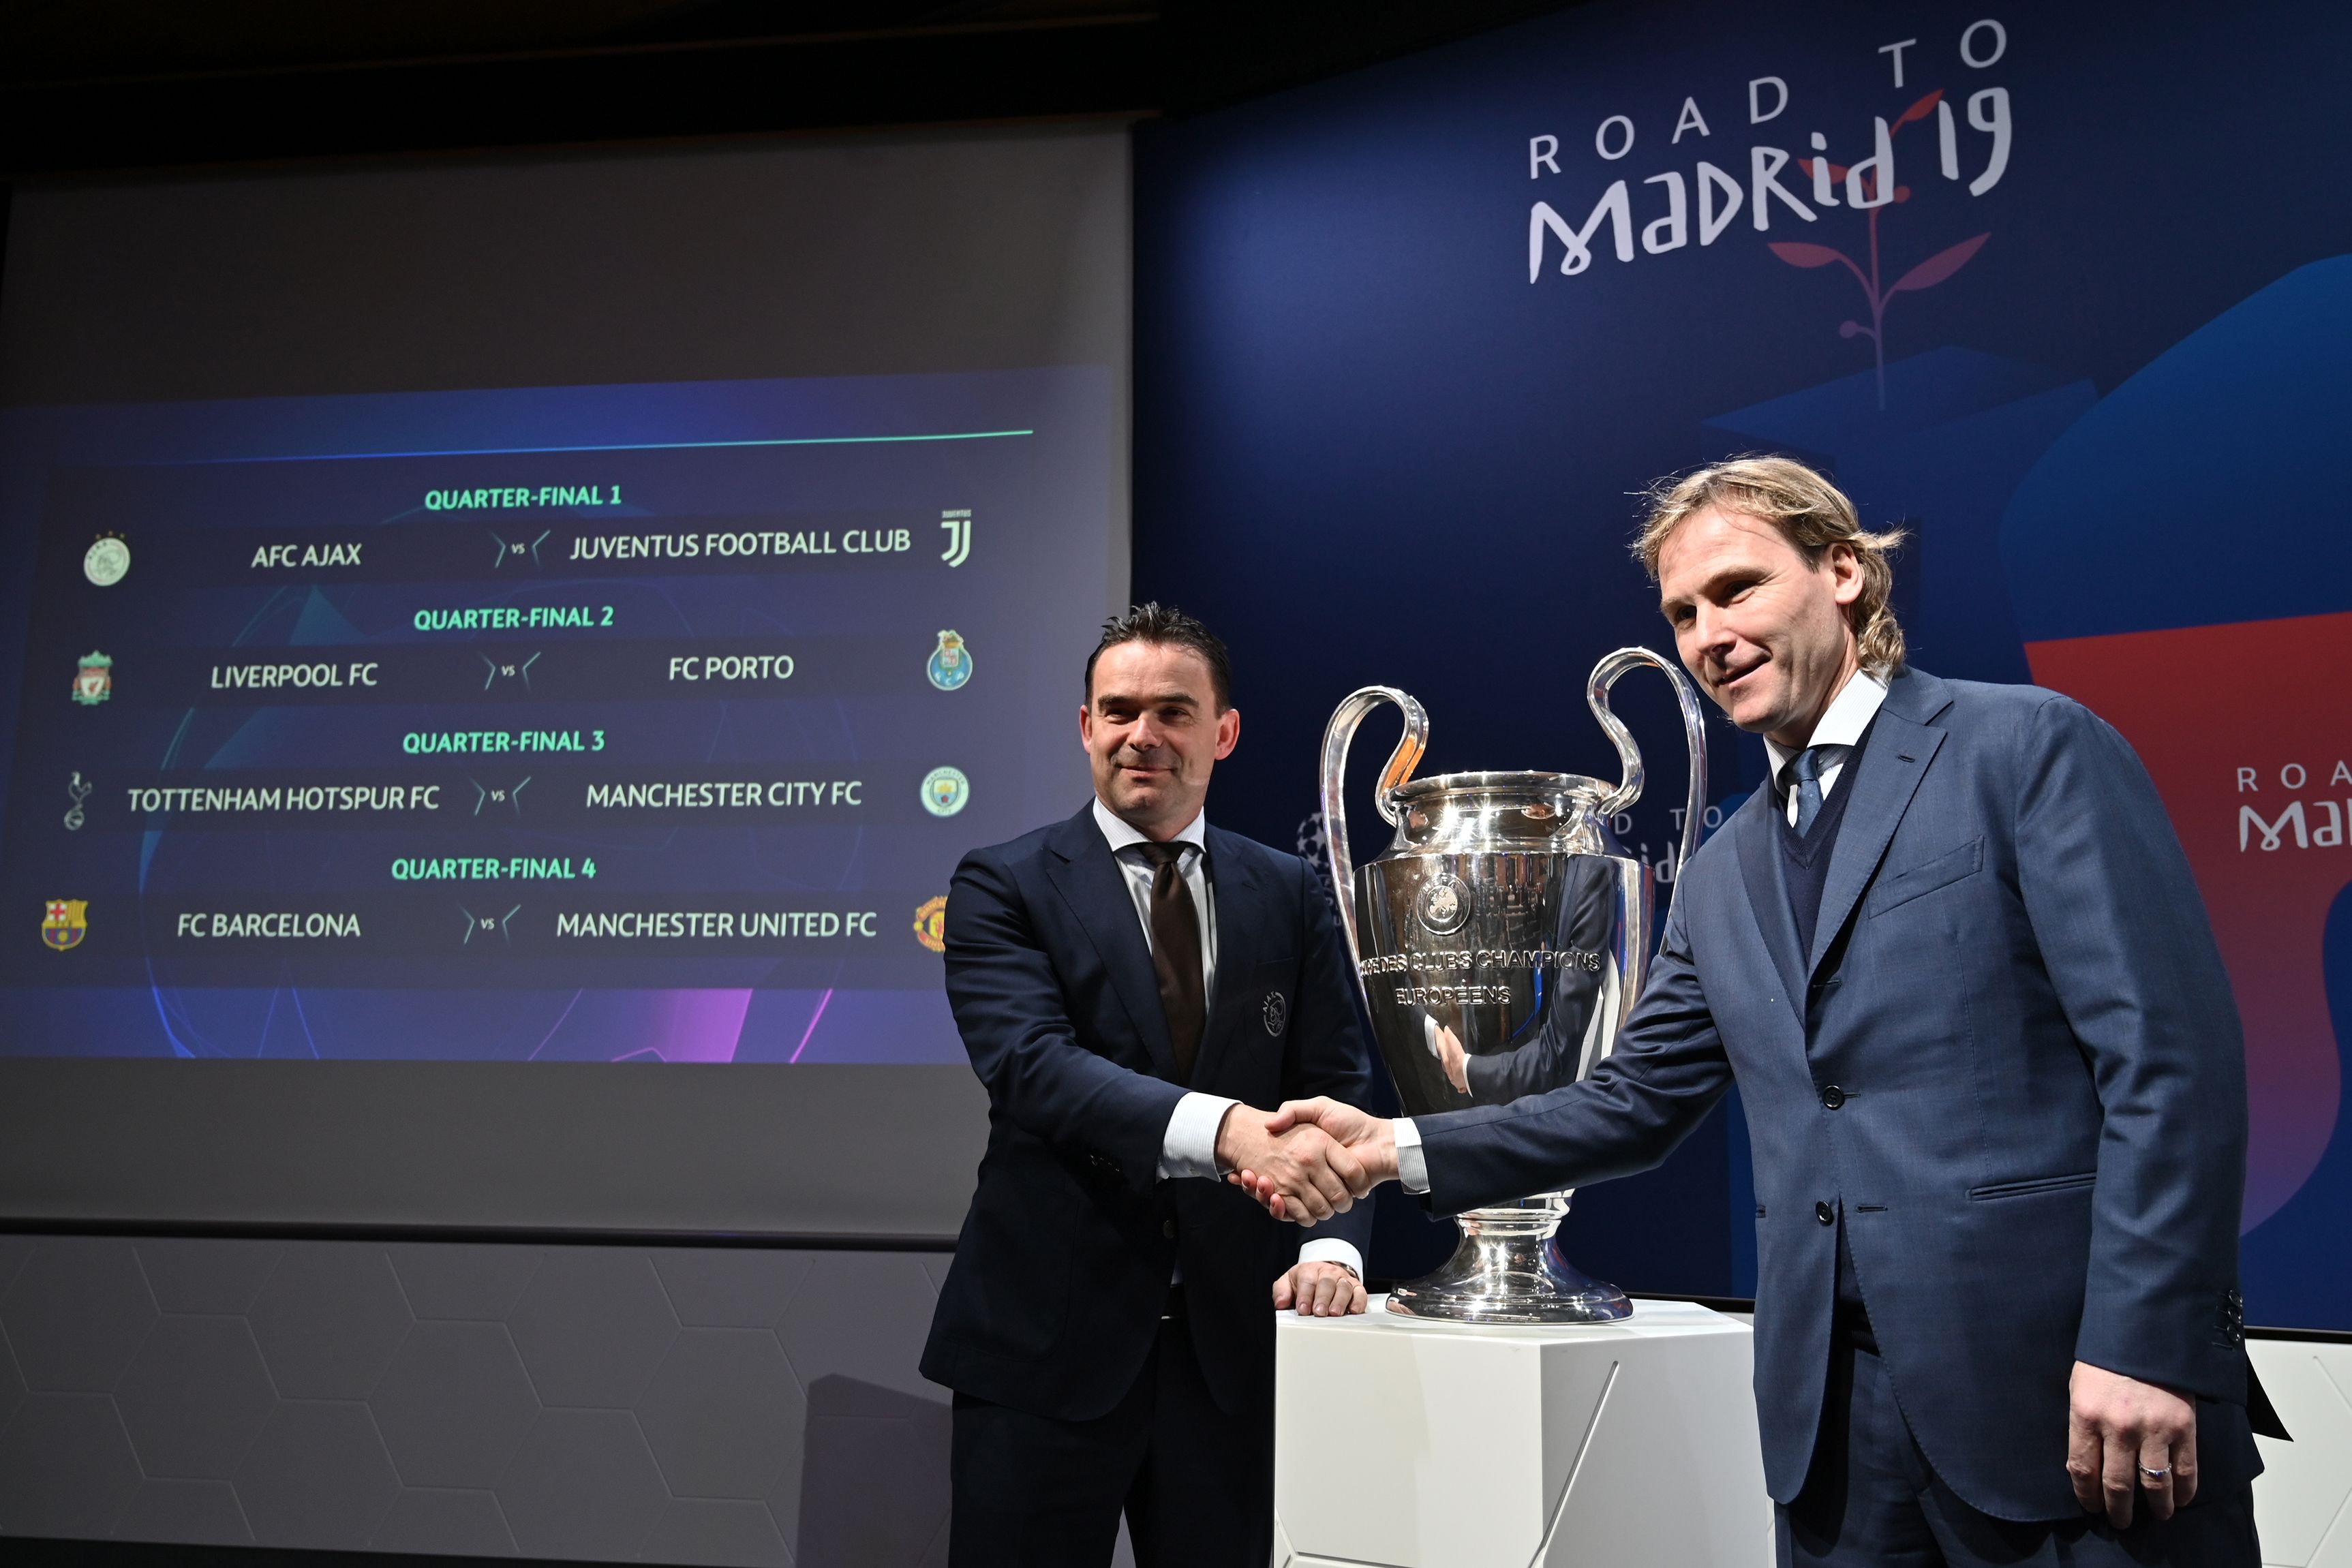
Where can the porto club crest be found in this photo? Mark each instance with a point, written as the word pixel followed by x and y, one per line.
pixel 94 682
pixel 66 923
pixel 950 662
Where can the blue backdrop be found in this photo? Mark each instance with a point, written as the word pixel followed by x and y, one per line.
pixel 2052 287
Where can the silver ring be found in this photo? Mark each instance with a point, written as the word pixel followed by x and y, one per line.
pixel 2155 1475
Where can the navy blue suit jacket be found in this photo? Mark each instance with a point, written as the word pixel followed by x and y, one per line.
pixel 1061 1272
pixel 2039 1148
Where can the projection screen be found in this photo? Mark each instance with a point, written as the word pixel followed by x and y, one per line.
pixel 499 660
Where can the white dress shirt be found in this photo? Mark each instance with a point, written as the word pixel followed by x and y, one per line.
pixel 1848 715
pixel 1189 1147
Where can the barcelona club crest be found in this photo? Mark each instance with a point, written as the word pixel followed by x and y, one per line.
pixel 950 665
pixel 95 681
pixel 945 790
pixel 932 924
pixel 67 922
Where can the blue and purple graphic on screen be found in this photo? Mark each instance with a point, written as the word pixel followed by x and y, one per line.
pixel 557 723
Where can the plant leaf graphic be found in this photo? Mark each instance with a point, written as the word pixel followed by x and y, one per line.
pixel 1933 270
pixel 1920 110
pixel 1796 252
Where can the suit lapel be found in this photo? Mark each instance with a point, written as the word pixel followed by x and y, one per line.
pixel 1893 760
pixel 1089 878
pixel 1243 934
pixel 1767 892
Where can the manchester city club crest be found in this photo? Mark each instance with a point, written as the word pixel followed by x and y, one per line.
pixel 932 924
pixel 94 683
pixel 1275 1013
pixel 66 923
pixel 945 790
pixel 950 665
pixel 1444 905
pixel 108 561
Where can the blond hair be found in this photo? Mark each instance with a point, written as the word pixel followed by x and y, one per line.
pixel 1811 514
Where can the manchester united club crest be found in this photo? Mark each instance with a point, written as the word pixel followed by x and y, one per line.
pixel 932 924
pixel 66 923
pixel 950 662
pixel 94 683
pixel 1276 1012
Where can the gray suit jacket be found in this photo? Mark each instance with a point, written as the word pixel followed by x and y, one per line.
pixel 2037 1142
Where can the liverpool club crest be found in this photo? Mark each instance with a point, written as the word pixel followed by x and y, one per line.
pixel 66 924
pixel 95 681
pixel 950 662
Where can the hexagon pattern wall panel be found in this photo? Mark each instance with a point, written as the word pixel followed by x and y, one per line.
pixel 674 1404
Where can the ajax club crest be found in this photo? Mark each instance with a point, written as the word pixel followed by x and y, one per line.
pixel 950 665
pixel 1275 1012
pixel 945 790
pixel 94 683
pixel 108 561
pixel 932 924
pixel 66 923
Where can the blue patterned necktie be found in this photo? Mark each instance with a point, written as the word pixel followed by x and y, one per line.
pixel 1805 776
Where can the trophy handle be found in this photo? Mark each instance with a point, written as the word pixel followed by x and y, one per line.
pixel 1337 736
pixel 1596 692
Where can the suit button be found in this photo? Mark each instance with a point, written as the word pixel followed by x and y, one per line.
pixel 1825 1214
pixel 1833 1097
pixel 1168 1229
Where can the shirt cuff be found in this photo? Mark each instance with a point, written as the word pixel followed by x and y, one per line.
pixel 1413 1166
pixel 1332 1250
pixel 1189 1147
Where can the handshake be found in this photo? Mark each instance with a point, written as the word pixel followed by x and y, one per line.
pixel 1309 1161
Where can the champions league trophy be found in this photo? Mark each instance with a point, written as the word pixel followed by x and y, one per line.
pixel 1499 941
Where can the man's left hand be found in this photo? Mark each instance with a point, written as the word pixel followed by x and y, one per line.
pixel 2126 1435
pixel 1319 1290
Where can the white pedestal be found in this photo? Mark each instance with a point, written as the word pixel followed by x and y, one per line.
pixel 1410 1444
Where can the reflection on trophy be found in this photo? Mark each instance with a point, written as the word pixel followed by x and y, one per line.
pixel 1499 940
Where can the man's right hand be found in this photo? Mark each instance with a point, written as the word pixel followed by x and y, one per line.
pixel 1297 1170
pixel 1368 1143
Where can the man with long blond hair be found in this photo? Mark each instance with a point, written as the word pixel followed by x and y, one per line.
pixel 1953 958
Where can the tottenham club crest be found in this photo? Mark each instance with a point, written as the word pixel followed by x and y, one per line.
pixel 1444 905
pixel 945 791
pixel 95 681
pixel 1277 1013
pixel 950 665
pixel 66 923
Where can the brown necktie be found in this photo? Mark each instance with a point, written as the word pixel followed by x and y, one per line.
pixel 1176 953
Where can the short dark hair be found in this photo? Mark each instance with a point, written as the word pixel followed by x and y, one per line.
pixel 1171 628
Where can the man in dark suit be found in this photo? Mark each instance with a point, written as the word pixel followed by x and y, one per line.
pixel 1954 959
pixel 1133 986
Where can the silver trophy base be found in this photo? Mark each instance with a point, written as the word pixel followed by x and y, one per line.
pixel 1509 1269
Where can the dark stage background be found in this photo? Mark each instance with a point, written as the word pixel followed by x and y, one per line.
pixel 1408 341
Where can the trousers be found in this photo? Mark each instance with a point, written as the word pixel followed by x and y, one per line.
pixel 1871 1497
pixel 1195 1482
